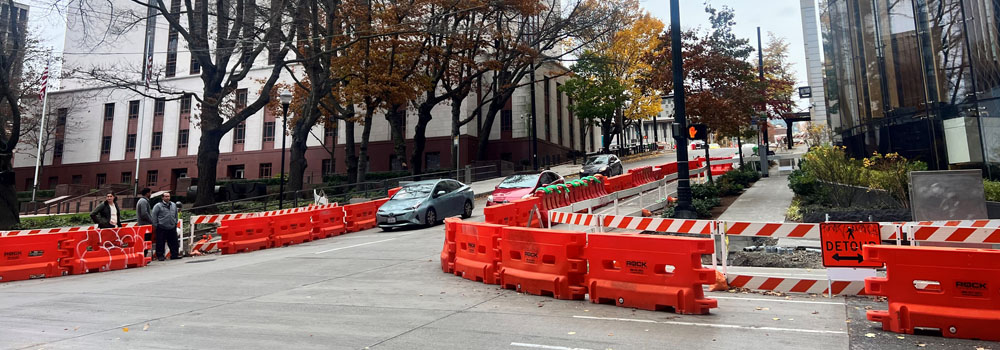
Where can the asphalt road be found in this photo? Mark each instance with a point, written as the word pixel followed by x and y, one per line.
pixel 383 290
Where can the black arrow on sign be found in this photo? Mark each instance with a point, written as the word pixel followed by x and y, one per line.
pixel 857 258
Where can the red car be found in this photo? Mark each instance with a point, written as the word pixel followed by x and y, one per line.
pixel 521 185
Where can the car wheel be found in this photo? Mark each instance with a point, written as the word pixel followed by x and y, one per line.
pixel 431 217
pixel 468 210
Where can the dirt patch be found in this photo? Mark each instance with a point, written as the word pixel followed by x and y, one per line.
pixel 724 204
pixel 796 259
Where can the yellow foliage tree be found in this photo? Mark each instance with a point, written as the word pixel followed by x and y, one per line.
pixel 629 51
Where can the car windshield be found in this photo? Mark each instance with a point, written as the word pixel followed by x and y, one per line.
pixel 414 191
pixel 597 160
pixel 520 181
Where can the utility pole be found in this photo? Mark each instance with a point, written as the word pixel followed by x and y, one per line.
pixel 684 209
pixel 534 120
pixel 762 151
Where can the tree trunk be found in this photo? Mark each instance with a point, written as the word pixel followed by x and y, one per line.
pixel 208 162
pixel 297 161
pixel 8 194
pixel 420 138
pixel 484 133
pixel 456 117
pixel 349 152
pixel 396 116
pixel 363 150
pixel 605 140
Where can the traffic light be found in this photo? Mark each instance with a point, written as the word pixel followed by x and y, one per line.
pixel 697 132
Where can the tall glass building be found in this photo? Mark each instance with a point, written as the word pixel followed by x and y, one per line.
pixel 917 77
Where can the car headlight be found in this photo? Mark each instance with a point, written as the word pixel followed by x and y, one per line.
pixel 603 168
pixel 489 198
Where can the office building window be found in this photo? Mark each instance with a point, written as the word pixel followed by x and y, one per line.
pixel 506 120
pixel 102 179
pixel 182 138
pixel 109 111
pixel 265 170
pixel 327 167
pixel 195 66
pixel 57 150
pixel 127 177
pixel 130 143
pixel 158 106
pixel 239 133
pixel 133 109
pixel 268 131
pixel 77 179
pixel 157 140
pixel 61 115
pixel 106 145
pixel 432 160
pixel 151 177
pixel 185 105
pixel 241 99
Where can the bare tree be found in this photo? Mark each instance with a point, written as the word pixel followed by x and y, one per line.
pixel 13 87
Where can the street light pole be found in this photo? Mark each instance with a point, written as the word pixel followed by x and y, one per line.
pixel 286 99
pixel 762 151
pixel 684 209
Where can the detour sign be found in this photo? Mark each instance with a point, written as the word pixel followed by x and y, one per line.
pixel 842 243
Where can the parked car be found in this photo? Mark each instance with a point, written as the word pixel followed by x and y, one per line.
pixel 425 203
pixel 522 185
pixel 604 164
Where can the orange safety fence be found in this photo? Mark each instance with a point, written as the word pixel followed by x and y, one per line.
pixel 543 262
pixel 954 290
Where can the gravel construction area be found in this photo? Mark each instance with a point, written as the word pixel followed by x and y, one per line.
pixel 796 259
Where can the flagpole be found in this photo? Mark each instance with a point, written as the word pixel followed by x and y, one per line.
pixel 41 127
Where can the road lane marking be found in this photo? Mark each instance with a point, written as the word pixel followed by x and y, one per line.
pixel 714 325
pixel 540 346
pixel 780 300
pixel 366 243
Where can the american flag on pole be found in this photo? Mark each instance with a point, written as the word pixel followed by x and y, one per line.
pixel 45 82
pixel 149 69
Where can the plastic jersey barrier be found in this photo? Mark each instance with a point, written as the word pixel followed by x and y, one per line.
pixel 516 213
pixel 477 251
pixel 360 216
pixel 39 256
pixel 543 262
pixel 448 251
pixel 244 235
pixel 328 222
pixel 954 290
pixel 649 272
pixel 289 229
pixel 113 249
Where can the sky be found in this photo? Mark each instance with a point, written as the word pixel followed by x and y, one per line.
pixel 781 17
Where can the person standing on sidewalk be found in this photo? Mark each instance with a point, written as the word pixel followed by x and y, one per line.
pixel 107 215
pixel 142 212
pixel 165 223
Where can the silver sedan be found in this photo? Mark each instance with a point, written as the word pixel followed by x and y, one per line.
pixel 425 203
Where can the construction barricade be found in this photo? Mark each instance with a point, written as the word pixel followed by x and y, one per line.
pixel 360 216
pixel 477 251
pixel 289 229
pixel 244 235
pixel 113 249
pixel 521 213
pixel 39 256
pixel 449 249
pixel 649 272
pixel 543 262
pixel 328 222
pixel 954 290
pixel 641 176
pixel 618 183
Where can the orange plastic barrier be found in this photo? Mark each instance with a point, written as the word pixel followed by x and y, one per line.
pixel 668 168
pixel 602 185
pixel 38 256
pixel 360 216
pixel 641 176
pixel 392 191
pixel 328 222
pixel 954 290
pixel 477 251
pixel 543 262
pixel 448 251
pixel 244 235
pixel 289 229
pixel 618 183
pixel 649 272
pixel 516 213
pixel 113 249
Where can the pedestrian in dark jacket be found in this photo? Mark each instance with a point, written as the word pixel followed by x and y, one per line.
pixel 107 215
pixel 164 218
pixel 142 212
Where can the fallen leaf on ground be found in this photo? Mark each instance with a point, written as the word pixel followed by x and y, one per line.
pixel 815 312
pixel 124 329
pixel 900 337
pixel 146 327
pixel 571 333
pixel 776 319
pixel 921 344
pixel 870 335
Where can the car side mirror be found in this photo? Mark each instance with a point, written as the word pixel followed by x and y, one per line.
pixel 439 193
